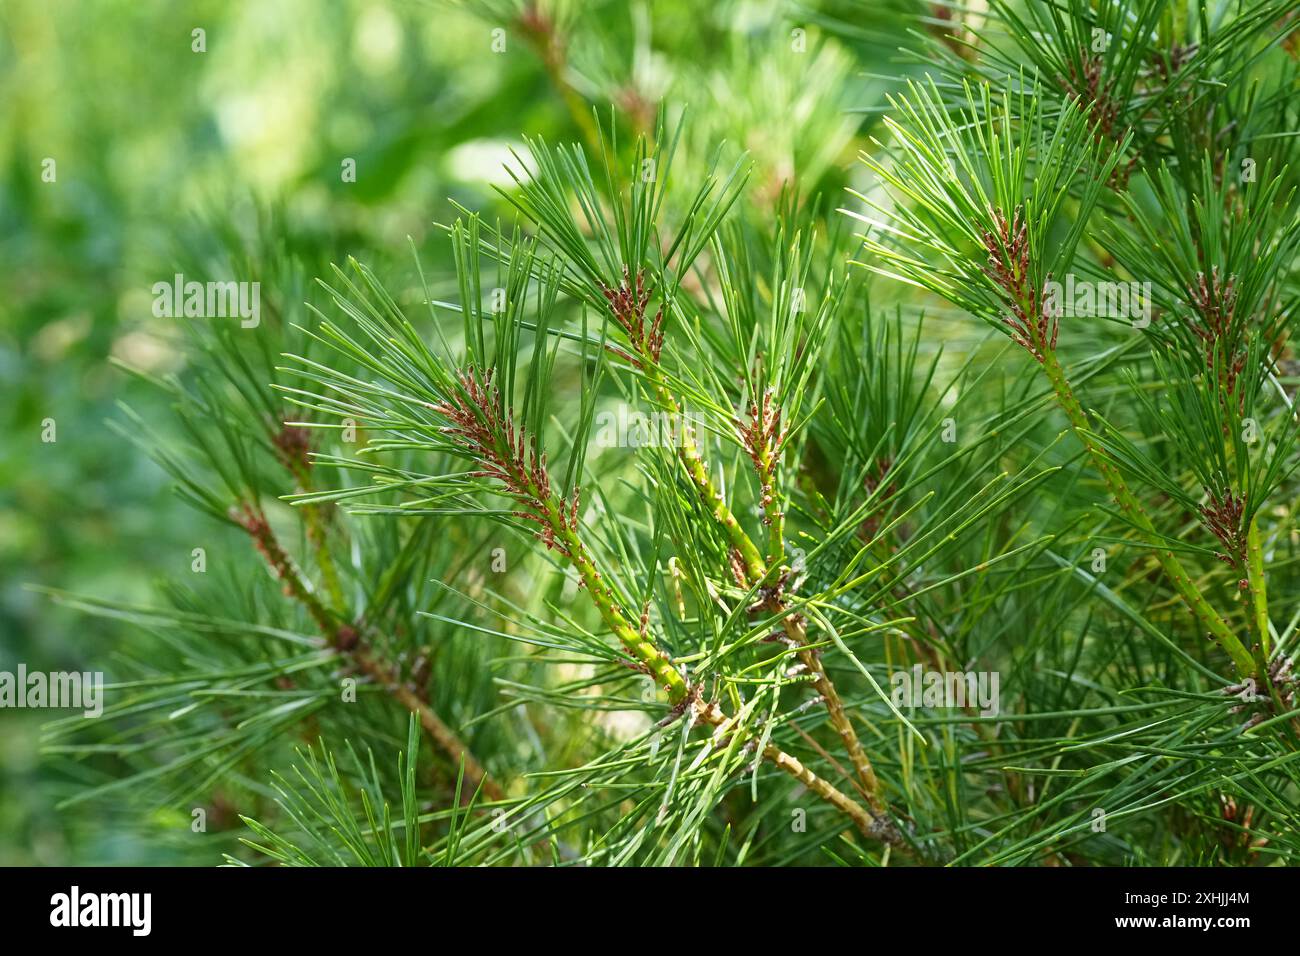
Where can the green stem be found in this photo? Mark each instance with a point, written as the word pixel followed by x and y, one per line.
pixel 689 454
pixel 316 531
pixel 872 823
pixel 1132 509
pixel 638 645
pixel 772 513
pixel 318 535
pixel 1257 583
pixel 757 572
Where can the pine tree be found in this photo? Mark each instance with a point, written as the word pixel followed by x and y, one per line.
pixel 667 528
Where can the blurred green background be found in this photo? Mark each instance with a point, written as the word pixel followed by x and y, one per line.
pixel 152 141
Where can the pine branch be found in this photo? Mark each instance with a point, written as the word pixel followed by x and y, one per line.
pixel 762 439
pixel 1134 512
pixel 628 304
pixel 549 44
pixel 293 446
pixel 348 639
pixel 488 433
pixel 1257 583
pixel 1034 327
pixel 1021 257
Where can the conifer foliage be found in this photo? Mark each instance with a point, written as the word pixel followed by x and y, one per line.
pixel 936 506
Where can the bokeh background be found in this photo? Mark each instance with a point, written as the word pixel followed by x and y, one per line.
pixel 157 146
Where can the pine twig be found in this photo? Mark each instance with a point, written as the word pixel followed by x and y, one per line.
pixel 293 447
pixel 489 435
pixel 628 304
pixel 549 46
pixel 1257 582
pixel 442 735
pixel 763 438
pixel 346 639
pixel 1132 508
pixel 1034 327
pixel 503 453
